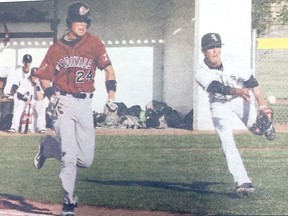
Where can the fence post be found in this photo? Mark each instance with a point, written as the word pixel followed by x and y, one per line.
pixel 253 51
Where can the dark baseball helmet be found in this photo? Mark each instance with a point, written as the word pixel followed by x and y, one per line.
pixel 211 40
pixel 27 58
pixel 78 12
pixel 33 71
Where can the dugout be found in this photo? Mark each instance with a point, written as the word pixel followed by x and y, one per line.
pixel 154 44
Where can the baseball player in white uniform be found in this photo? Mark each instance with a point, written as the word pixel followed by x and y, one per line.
pixel 232 91
pixel 25 85
pixel 30 92
pixel 16 76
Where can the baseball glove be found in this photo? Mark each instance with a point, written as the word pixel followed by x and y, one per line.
pixel 110 107
pixel 129 121
pixel 263 124
pixel 110 111
pixel 54 107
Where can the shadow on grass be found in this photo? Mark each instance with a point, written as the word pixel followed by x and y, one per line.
pixel 196 187
pixel 18 203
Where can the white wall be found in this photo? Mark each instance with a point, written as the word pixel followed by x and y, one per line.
pixel 178 58
pixel 232 20
pixel 134 75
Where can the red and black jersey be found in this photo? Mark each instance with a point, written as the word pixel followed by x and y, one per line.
pixel 72 68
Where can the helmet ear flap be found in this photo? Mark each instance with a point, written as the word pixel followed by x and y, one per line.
pixel 68 22
pixel 88 22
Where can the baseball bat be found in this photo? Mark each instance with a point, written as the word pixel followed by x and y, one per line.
pixel 28 117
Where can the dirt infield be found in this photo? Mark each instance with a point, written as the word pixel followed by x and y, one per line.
pixel 20 207
pixel 281 128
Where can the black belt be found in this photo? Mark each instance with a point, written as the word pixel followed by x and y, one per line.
pixel 77 95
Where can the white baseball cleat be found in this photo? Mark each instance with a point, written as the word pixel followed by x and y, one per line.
pixel 12 130
pixel 245 189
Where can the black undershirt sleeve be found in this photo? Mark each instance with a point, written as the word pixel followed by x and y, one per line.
pixel 217 87
pixel 21 97
pixel 251 82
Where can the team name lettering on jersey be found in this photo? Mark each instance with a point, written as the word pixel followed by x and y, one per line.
pixel 74 61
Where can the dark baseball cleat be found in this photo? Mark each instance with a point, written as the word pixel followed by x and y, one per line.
pixel 245 189
pixel 68 209
pixel 270 133
pixel 39 159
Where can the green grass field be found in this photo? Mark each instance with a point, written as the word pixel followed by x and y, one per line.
pixel 181 174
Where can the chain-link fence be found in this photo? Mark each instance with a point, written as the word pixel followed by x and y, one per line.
pixel 272 74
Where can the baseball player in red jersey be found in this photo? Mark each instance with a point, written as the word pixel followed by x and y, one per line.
pixel 67 77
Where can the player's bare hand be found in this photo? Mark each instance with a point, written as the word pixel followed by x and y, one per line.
pixel 6 40
pixel 42 68
pixel 36 81
pixel 242 92
pixel 28 102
